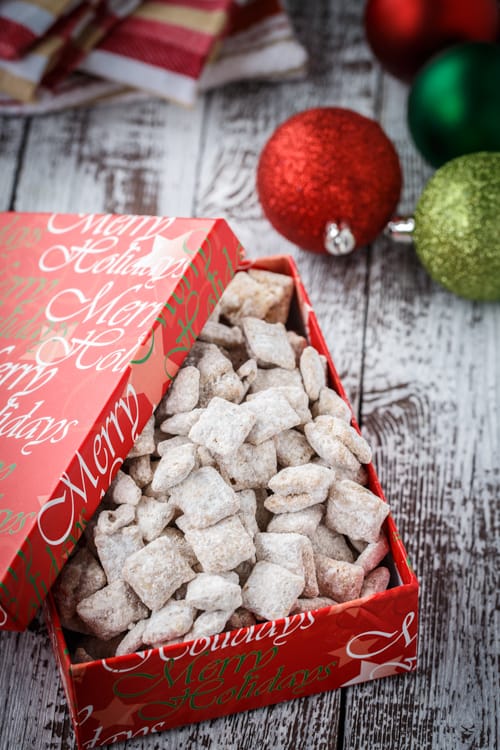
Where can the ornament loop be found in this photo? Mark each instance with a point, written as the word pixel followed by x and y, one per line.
pixel 401 229
pixel 339 240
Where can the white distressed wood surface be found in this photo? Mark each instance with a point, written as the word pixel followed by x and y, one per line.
pixel 421 367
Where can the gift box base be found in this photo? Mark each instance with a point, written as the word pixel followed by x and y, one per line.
pixel 243 669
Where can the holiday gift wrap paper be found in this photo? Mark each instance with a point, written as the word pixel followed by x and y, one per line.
pixel 98 313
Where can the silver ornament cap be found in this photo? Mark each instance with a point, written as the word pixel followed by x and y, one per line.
pixel 401 229
pixel 339 240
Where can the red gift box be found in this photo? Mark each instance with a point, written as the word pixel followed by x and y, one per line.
pixel 232 671
pixel 255 666
pixel 98 313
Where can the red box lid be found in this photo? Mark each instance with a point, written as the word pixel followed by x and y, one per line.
pixel 97 314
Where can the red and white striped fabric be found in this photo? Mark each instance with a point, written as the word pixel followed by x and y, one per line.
pixel 162 47
pixel 260 43
pixel 60 51
pixel 23 22
pixel 175 49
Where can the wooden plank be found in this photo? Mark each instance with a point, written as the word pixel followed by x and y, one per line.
pixel 33 710
pixel 242 118
pixel 422 366
pixel 12 135
pixel 431 400
pixel 123 159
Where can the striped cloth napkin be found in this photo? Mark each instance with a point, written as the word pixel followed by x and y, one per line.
pixel 23 23
pixel 162 46
pixel 51 59
pixel 174 50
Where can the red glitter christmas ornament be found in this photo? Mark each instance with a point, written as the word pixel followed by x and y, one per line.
pixel 404 34
pixel 329 179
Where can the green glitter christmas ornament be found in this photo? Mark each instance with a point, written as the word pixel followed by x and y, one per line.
pixel 456 229
pixel 457 226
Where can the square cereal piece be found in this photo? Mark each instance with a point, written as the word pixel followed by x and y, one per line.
pixel 290 503
pixel 140 470
pixel 174 466
pixel 298 400
pixel 373 553
pixel 222 427
pixel 169 622
pixel 113 550
pixel 351 439
pixel 330 403
pixel 111 521
pixel 221 547
pixel 204 498
pixel 332 544
pixel 268 343
pixel 227 337
pixel 292 448
pixel 275 377
pixel 355 511
pixel 81 576
pixel 123 489
pixel 163 446
pixel 111 610
pixel 273 414
pixel 132 641
pixel 281 286
pixel 156 571
pixel 208 623
pixel 152 517
pixel 330 448
pixel 298 344
pixel 210 592
pixel 294 552
pixel 301 522
pixel 375 581
pixel 342 581
pixel 307 478
pixel 271 591
pixel 181 424
pixel 217 376
pixel 313 372
pixel 144 443
pixel 250 467
pixel 248 511
pixel 179 541
pixel 241 618
pixel 184 391
pixel 246 296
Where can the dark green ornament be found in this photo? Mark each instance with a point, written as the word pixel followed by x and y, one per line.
pixel 454 103
pixel 457 226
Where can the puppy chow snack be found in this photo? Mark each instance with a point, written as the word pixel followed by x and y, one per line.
pixel 242 500
pixel 304 522
pixel 109 611
pixel 268 343
pixel 271 590
pixel 221 547
pixel 330 403
pixel 156 571
pixel 250 467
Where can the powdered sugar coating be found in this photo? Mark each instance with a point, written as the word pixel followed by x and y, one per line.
pixel 271 590
pixel 233 505
pixel 156 571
